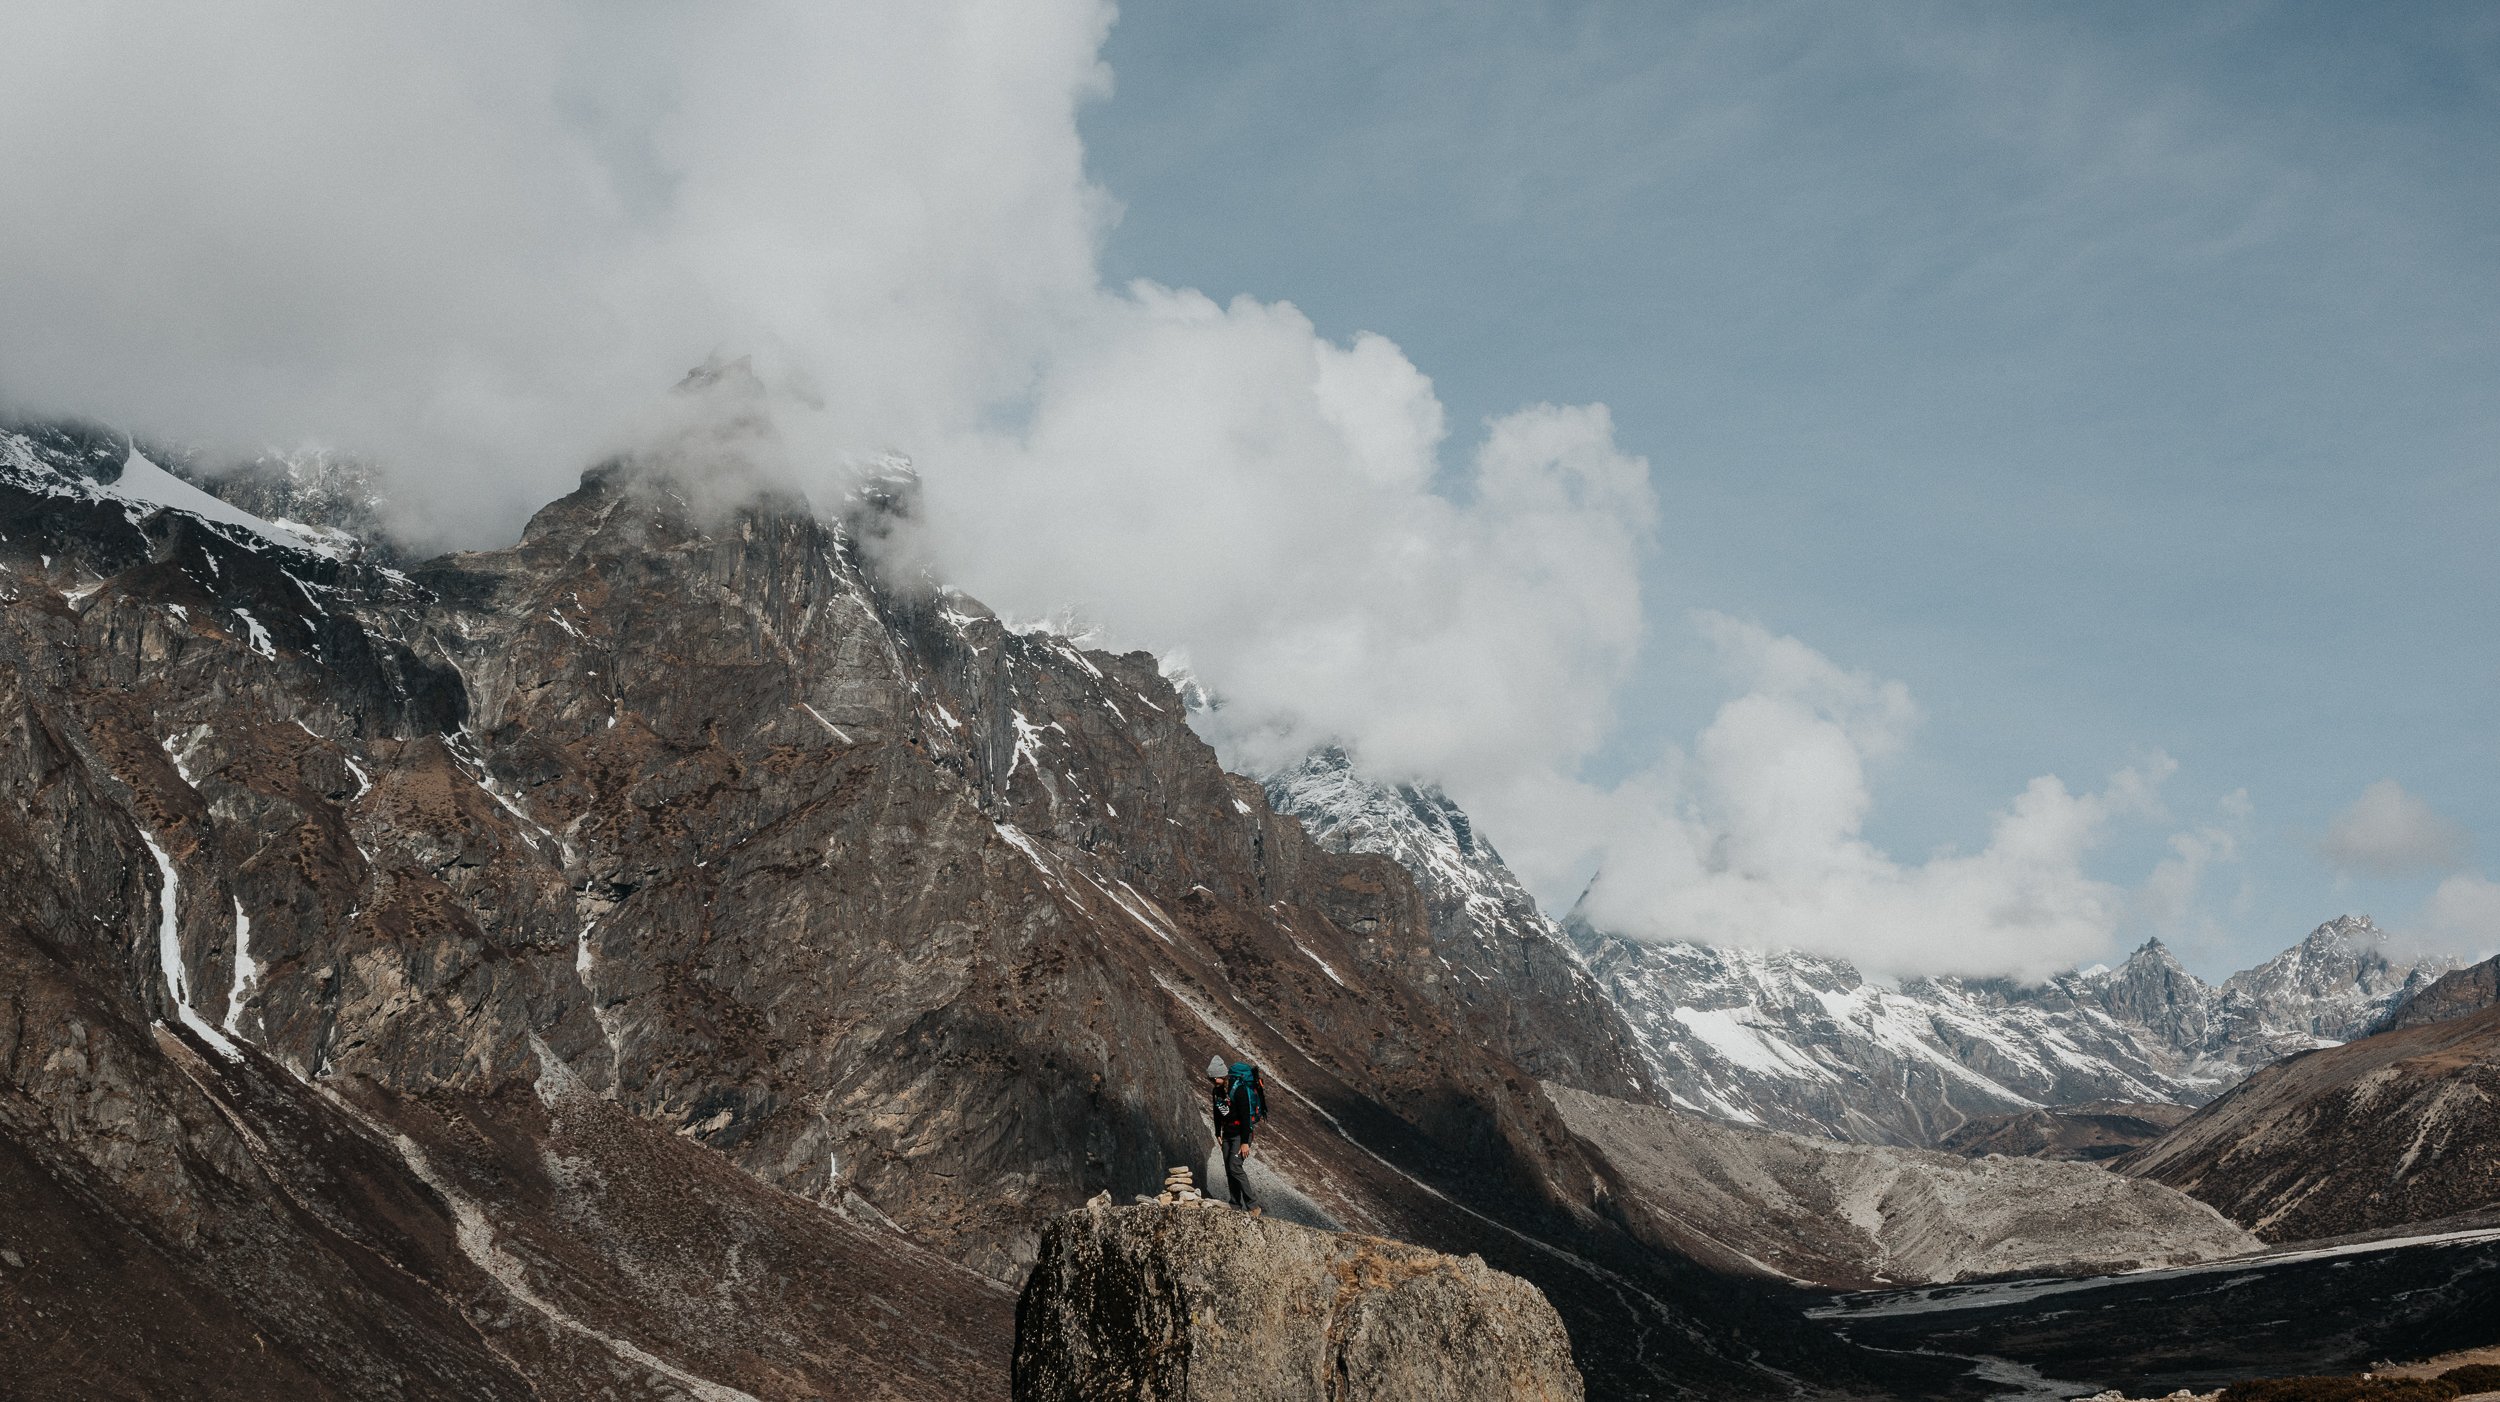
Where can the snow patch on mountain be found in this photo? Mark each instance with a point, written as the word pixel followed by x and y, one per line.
pixel 77 465
pixel 142 480
pixel 1804 1043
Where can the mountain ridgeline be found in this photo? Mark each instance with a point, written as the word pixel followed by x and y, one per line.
pixel 1803 1043
pixel 506 974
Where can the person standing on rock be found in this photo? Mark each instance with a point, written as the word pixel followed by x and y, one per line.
pixel 1240 1103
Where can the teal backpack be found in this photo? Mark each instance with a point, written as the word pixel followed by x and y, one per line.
pixel 1245 1095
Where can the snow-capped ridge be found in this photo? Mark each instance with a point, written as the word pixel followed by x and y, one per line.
pixel 1510 968
pixel 1810 1044
pixel 1802 1042
pixel 143 487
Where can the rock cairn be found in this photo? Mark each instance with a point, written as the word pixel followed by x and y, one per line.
pixel 1180 1189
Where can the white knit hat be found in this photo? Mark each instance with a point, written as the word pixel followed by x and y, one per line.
pixel 1215 1068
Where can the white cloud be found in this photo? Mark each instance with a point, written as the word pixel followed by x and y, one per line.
pixel 2169 902
pixel 2389 832
pixel 1223 479
pixel 1758 839
pixel 478 239
pixel 2462 917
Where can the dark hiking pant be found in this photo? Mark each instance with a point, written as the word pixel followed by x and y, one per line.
pixel 1237 1173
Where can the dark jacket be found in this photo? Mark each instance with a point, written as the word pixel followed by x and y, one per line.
pixel 1238 1114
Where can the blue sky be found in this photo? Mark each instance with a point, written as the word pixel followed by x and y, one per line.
pixel 2121 378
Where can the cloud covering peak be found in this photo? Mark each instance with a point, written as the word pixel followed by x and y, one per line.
pixel 477 241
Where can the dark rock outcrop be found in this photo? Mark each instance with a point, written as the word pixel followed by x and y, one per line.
pixel 2458 993
pixel 1198 1303
pixel 2091 1132
pixel 2395 1128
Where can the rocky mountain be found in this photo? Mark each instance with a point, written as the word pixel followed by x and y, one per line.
pixel 1805 1043
pixel 2457 993
pixel 2331 987
pixel 1516 981
pixel 1863 1216
pixel 1192 1304
pixel 313 492
pixel 670 955
pixel 2396 1128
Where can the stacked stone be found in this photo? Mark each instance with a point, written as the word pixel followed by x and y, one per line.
pixel 1180 1186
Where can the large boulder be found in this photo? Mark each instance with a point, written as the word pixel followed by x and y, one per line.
pixel 1194 1302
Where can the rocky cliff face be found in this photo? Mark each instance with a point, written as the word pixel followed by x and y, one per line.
pixel 2331 987
pixel 1507 972
pixel 280 1112
pixel 2457 993
pixel 1859 1216
pixel 1804 1043
pixel 441 936
pixel 1203 1304
pixel 2395 1128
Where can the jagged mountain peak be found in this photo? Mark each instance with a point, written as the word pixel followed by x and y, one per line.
pixel 1513 974
pixel 1331 790
pixel 2345 932
pixel 2346 949
pixel 2152 961
pixel 1795 1042
pixel 2333 986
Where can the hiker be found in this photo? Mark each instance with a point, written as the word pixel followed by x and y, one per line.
pixel 1240 1103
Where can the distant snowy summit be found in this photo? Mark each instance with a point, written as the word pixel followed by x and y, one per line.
pixel 1507 970
pixel 1804 1043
